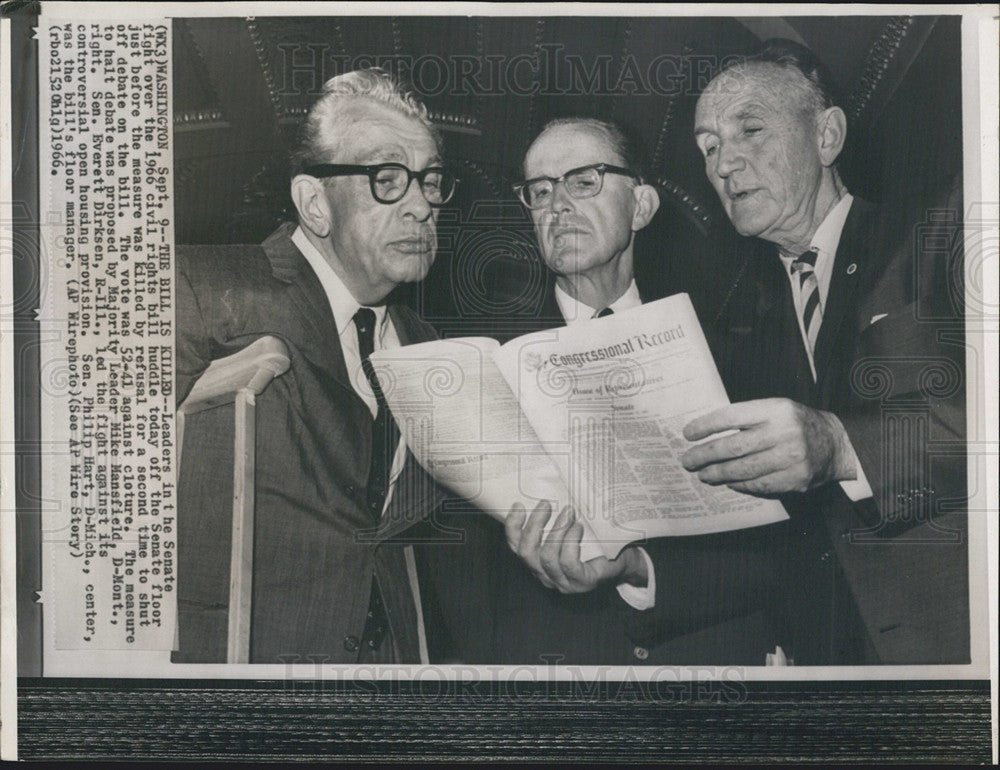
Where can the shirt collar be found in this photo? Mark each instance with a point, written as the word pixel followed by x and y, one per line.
pixel 827 236
pixel 342 302
pixel 824 242
pixel 573 310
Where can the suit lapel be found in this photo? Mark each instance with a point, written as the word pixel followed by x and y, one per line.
pixel 414 492
pixel 318 339
pixel 407 331
pixel 761 351
pixel 551 316
pixel 313 332
pixel 792 367
pixel 849 264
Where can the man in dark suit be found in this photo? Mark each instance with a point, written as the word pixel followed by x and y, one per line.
pixel 586 196
pixel 845 380
pixel 847 375
pixel 334 486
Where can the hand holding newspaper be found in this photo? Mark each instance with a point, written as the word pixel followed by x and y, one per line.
pixel 588 415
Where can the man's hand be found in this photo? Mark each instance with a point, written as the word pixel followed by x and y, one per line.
pixel 556 561
pixel 779 446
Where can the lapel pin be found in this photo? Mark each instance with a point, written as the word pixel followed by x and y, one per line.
pixel 851 268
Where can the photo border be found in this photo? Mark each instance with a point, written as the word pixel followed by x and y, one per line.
pixel 835 720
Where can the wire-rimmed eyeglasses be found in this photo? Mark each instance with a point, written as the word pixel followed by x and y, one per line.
pixel 582 182
pixel 390 181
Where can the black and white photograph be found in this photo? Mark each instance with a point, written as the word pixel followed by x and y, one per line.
pixel 536 383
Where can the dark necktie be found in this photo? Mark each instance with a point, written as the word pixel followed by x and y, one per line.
pixel 812 313
pixel 385 437
pixel 603 313
pixel 385 434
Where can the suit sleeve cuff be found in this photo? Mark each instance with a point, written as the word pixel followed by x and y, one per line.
pixel 857 488
pixel 640 598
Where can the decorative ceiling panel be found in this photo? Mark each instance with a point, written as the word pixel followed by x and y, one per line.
pixel 194 93
pixel 242 85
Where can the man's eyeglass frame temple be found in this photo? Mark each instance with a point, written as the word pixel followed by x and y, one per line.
pixel 325 170
pixel 601 168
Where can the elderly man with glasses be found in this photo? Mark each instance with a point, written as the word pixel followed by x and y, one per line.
pixel 587 201
pixel 585 193
pixel 335 487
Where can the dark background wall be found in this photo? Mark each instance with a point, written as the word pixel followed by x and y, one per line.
pixel 242 85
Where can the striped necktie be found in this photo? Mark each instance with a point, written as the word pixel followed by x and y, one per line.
pixel 812 312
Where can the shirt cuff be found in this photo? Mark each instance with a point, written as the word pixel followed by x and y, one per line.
pixel 640 598
pixel 857 488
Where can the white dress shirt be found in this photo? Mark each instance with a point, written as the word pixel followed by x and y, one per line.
pixel 825 243
pixel 573 311
pixel 344 306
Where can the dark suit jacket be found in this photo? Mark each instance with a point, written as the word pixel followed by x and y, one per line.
pixel 498 611
pixel 882 580
pixel 316 548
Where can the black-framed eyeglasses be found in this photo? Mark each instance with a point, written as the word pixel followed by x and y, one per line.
pixel 583 182
pixel 390 181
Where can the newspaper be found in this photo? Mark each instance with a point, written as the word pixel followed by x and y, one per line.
pixel 589 415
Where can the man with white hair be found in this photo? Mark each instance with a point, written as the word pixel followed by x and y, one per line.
pixel 334 484
pixel 845 377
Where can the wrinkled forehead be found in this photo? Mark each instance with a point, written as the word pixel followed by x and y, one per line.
pixel 568 146
pixel 766 84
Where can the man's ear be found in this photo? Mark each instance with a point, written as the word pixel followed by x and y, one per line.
pixel 309 197
pixel 832 124
pixel 647 201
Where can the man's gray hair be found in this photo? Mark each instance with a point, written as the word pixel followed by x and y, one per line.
pixel 323 127
pixel 815 85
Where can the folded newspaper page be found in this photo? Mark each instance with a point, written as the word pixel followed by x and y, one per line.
pixel 590 415
pixel 461 421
